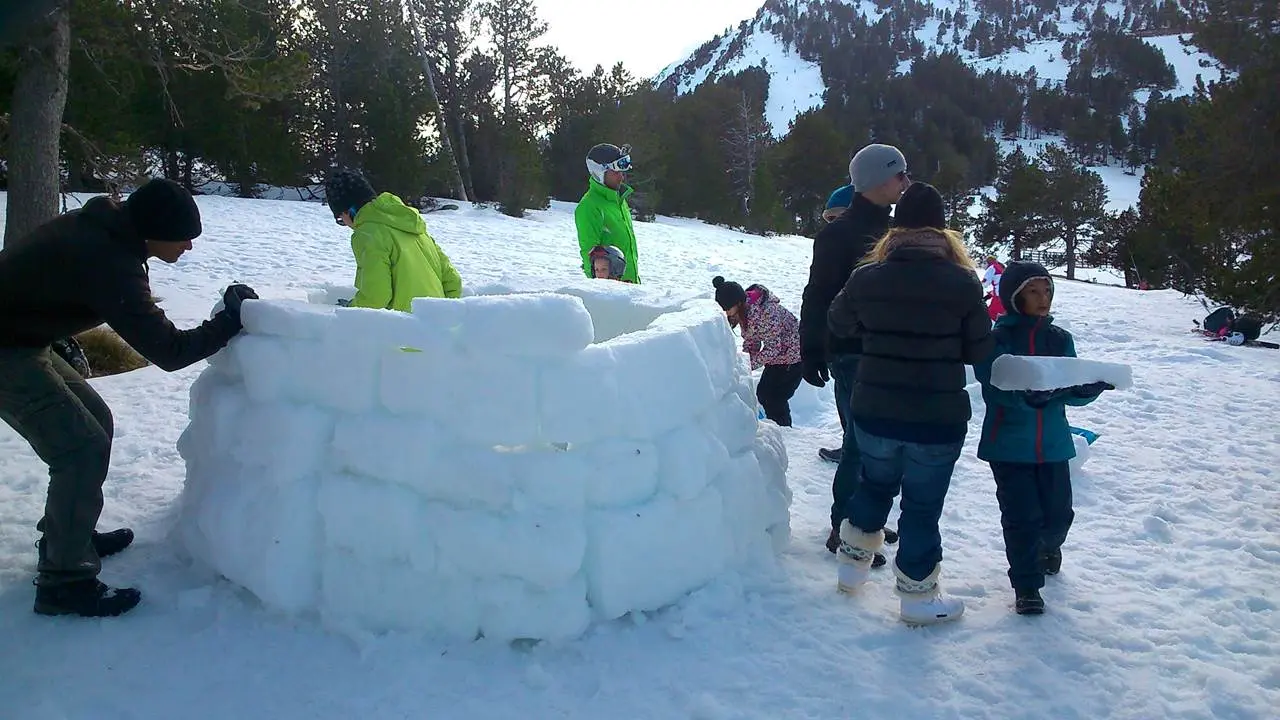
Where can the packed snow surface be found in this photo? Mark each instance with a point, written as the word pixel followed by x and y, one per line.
pixel 1167 606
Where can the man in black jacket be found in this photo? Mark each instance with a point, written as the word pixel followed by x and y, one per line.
pixel 75 272
pixel 879 176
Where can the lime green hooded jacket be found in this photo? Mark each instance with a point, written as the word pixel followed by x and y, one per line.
pixel 603 218
pixel 396 260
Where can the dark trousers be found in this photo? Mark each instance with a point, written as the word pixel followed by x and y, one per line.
pixel 1035 513
pixel 922 473
pixel 70 428
pixel 777 385
pixel 844 372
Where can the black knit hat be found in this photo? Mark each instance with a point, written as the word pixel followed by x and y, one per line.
pixel 920 207
pixel 347 191
pixel 1015 277
pixel 728 293
pixel 163 210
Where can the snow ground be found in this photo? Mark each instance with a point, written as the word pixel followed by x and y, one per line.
pixel 1167 605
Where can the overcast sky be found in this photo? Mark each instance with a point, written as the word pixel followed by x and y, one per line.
pixel 646 35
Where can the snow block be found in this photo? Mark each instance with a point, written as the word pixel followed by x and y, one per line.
pixel 1022 372
pixel 531 325
pixel 479 465
pixel 582 397
pixel 642 558
pixel 287 319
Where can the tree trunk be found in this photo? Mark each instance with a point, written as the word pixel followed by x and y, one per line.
pixel 459 189
pixel 464 157
pixel 187 165
pixel 344 148
pixel 1071 256
pixel 35 125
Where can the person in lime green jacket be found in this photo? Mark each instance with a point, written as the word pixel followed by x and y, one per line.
pixel 396 260
pixel 603 216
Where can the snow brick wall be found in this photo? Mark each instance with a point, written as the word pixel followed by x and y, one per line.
pixel 513 464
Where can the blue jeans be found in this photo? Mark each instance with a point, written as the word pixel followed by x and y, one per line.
pixel 923 474
pixel 844 372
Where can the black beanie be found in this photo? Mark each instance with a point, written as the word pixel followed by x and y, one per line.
pixel 163 210
pixel 728 294
pixel 920 207
pixel 1015 277
pixel 347 191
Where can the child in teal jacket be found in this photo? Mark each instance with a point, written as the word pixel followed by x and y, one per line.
pixel 1026 439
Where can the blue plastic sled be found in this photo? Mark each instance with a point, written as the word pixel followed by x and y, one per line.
pixel 1088 435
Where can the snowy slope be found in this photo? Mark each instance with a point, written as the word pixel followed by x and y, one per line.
pixel 797 82
pixel 1167 605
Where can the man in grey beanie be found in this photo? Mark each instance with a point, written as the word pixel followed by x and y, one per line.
pixel 879 176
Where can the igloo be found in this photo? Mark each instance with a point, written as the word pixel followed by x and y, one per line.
pixel 519 463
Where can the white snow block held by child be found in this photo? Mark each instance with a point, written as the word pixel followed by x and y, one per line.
pixel 1023 372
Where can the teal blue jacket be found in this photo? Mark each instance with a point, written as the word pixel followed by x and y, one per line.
pixel 1013 431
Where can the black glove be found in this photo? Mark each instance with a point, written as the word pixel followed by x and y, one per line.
pixel 234 297
pixel 1039 399
pixel 1092 389
pixel 815 372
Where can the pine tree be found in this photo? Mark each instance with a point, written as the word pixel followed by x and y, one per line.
pixel 1016 215
pixel 1075 203
pixel 514 27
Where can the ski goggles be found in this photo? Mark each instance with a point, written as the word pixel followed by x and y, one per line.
pixel 622 165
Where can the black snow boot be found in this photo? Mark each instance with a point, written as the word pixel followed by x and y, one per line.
pixel 105 544
pixel 1028 602
pixel 831 455
pixel 1051 561
pixel 86 598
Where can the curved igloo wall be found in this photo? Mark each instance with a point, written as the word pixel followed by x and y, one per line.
pixel 481 465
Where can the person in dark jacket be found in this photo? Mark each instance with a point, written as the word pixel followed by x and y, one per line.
pixel 878 174
pixel 1026 438
pixel 75 272
pixel 917 307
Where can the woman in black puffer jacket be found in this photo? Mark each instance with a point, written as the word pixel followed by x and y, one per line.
pixel 916 304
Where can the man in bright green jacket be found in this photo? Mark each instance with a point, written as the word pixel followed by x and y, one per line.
pixel 396 260
pixel 603 217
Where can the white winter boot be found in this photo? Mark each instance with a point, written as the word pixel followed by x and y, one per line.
pixel 857 551
pixel 923 602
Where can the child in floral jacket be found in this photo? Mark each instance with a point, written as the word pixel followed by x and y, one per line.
pixel 771 337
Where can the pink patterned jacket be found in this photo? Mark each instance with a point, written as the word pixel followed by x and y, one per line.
pixel 771 333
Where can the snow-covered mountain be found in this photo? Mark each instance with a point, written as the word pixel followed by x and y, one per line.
pixel 793 40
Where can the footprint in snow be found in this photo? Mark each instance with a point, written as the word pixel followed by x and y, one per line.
pixel 1158 529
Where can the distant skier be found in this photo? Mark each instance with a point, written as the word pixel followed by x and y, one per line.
pixel 396 259
pixel 75 272
pixel 1026 438
pixel 608 263
pixel 603 216
pixel 771 337
pixel 991 276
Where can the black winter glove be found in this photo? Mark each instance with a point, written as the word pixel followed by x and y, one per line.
pixel 1040 399
pixel 234 297
pixel 815 372
pixel 1091 390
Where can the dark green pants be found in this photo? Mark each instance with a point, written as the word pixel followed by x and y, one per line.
pixel 70 428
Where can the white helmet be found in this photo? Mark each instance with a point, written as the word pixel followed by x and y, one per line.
pixel 604 157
